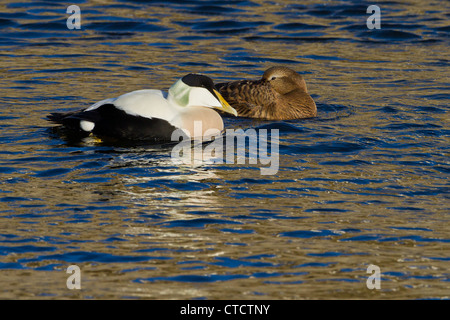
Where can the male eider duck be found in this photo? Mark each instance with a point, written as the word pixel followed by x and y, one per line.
pixel 281 94
pixel 152 115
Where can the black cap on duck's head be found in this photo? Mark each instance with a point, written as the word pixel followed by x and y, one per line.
pixel 196 90
pixel 284 79
pixel 199 80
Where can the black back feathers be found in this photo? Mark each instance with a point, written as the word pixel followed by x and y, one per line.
pixel 115 123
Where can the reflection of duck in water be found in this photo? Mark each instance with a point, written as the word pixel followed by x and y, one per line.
pixel 151 115
pixel 281 94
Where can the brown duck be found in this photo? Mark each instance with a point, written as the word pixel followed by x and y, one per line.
pixel 281 94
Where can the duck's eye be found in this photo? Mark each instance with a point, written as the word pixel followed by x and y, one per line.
pixel 273 78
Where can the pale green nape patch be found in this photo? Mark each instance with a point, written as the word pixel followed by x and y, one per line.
pixel 179 92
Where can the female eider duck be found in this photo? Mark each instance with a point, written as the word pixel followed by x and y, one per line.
pixel 152 115
pixel 281 94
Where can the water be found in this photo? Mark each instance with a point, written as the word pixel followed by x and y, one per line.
pixel 366 182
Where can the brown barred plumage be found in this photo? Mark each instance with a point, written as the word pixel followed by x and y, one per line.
pixel 281 94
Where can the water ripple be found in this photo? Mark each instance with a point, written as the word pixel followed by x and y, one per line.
pixel 365 182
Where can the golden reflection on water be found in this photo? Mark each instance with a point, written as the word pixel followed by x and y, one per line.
pixel 255 210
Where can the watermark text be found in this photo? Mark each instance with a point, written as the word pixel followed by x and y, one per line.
pixel 74 281
pixel 373 281
pixel 234 147
pixel 374 21
pixel 74 21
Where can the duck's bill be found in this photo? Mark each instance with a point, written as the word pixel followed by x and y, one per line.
pixel 225 105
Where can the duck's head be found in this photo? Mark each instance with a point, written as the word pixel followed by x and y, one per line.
pixel 284 80
pixel 196 90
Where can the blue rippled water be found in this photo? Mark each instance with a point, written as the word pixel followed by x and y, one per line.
pixel 365 182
